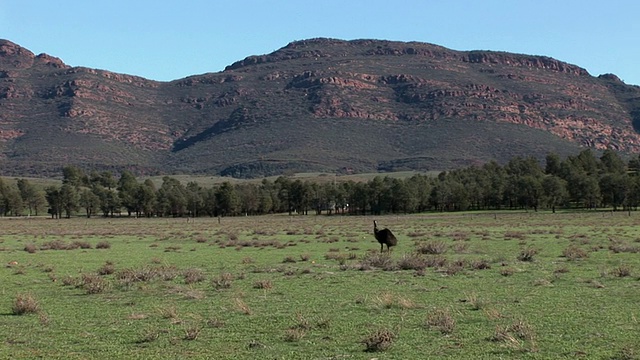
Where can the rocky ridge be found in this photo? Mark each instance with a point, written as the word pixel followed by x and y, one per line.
pixel 236 119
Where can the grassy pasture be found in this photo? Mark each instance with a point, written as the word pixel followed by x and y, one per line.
pixel 503 285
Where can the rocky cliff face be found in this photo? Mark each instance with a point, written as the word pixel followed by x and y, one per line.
pixel 318 104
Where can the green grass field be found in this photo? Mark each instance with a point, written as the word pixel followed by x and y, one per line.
pixel 466 285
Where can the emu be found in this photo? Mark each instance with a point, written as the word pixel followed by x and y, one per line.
pixel 384 237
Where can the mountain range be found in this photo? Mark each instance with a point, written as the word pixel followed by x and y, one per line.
pixel 316 105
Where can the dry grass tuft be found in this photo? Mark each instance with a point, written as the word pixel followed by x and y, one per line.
pixel 379 340
pixel 507 271
pixel 573 253
pixel 25 304
pixel 517 336
pixel 148 335
pixel 94 284
pixel 169 312
pixel 242 306
pixel 377 260
pixel 30 248
pixel 412 261
pixel 619 246
pixel 442 320
pixel 387 300
pixel 305 257
pixel 621 271
pixel 215 323
pixel 299 330
pixel 103 245
pixel 527 254
pixel 248 260
pixel 263 284
pixel 474 301
pixel 107 269
pixel 191 332
pixel 480 264
pixel 432 248
pixel 223 281
pixel 289 259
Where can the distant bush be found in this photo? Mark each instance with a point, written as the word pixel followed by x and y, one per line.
pixel 25 304
pixel 94 284
pixel 377 260
pixel 379 340
pixel 412 262
pixel 442 320
pixel 193 275
pixel 432 248
pixel 30 248
pixel 107 269
pixel 574 253
pixel 103 245
pixel 223 281
pixel 527 254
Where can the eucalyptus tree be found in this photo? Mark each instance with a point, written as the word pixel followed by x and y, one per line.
pixel 52 194
pixel 496 182
pixel 172 198
pixel 553 164
pixel 357 197
pixel 420 186
pixel 614 189
pixel 378 195
pixel 11 202
pixel 107 180
pixel 32 197
pixel 554 192
pixel 127 187
pixel 529 192
pixel 612 163
pixel 319 196
pixel 283 188
pixel 267 197
pixel 249 198
pixel 109 200
pixel 146 198
pixel 195 198
pixel 69 199
pixel 633 196
pixel 403 197
pixel 89 201
pixel 227 200
pixel 523 182
pixel 74 176
pixel 449 194
pixel 209 205
pixel 585 161
pixel 300 196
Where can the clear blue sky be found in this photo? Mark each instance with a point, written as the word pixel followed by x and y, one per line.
pixel 167 40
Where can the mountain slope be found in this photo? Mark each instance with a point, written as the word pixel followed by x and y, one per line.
pixel 314 105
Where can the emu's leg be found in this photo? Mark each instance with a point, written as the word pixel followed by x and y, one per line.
pixel 381 247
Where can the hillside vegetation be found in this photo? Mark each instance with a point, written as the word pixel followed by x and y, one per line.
pixel 318 105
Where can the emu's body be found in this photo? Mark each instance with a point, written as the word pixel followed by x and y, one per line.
pixel 384 237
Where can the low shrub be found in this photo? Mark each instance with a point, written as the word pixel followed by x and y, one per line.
pixel 379 340
pixel 103 245
pixel 25 304
pixel 94 284
pixel 193 275
pixel 527 254
pixel 442 320
pixel 432 248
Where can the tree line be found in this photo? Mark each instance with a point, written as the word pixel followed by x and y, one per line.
pixel 582 181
